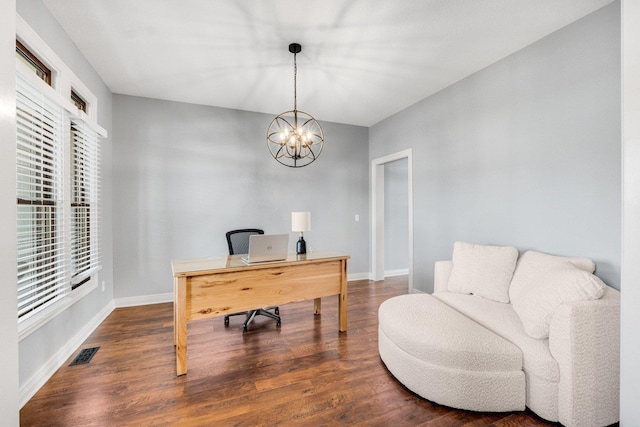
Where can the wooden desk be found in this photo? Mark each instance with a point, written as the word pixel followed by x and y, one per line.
pixel 210 287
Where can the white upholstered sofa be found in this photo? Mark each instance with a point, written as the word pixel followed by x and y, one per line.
pixel 501 332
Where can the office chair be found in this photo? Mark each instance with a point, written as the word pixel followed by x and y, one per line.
pixel 238 241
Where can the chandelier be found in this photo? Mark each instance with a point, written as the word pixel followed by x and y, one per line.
pixel 295 138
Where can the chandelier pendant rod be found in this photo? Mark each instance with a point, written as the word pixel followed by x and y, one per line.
pixel 295 106
pixel 295 85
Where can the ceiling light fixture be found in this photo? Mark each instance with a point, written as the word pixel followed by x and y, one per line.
pixel 295 138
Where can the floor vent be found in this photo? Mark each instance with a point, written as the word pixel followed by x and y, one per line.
pixel 84 356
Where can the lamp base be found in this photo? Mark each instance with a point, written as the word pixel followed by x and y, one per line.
pixel 301 246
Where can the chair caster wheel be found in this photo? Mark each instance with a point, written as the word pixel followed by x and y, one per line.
pixel 244 329
pixel 226 320
pixel 277 310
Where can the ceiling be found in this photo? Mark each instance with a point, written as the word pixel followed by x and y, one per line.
pixel 361 60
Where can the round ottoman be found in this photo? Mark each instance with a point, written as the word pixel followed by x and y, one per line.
pixel 443 356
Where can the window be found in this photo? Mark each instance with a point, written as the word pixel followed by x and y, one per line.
pixel 31 61
pixel 58 184
pixel 84 202
pixel 77 100
pixel 41 269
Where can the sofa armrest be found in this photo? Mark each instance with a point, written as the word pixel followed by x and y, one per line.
pixel 441 276
pixel 584 338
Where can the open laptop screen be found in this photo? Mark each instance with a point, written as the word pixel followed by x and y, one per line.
pixel 267 247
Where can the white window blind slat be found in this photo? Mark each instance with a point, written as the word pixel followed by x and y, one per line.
pixel 40 146
pixel 34 268
pixel 35 283
pixel 85 219
pixel 45 295
pixel 45 298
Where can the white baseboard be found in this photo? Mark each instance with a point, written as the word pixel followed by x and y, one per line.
pixel 398 272
pixel 46 371
pixel 143 300
pixel 358 276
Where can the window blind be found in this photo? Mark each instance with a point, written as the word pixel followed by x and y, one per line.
pixel 85 221
pixel 41 252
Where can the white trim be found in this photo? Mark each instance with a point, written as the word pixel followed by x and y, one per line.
pixel 630 270
pixel 27 326
pixel 396 272
pixel 377 220
pixel 46 371
pixel 50 92
pixel 143 300
pixel 62 78
pixel 32 41
pixel 377 213
pixel 358 276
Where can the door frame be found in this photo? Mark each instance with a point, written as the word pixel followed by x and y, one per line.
pixel 377 213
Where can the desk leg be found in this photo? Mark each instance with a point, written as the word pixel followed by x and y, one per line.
pixel 317 306
pixel 180 324
pixel 175 310
pixel 342 301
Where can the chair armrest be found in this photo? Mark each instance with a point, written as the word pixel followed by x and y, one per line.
pixel 441 276
pixel 584 338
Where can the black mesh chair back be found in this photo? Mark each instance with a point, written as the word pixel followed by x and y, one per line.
pixel 238 240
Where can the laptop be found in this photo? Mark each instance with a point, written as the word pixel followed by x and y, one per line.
pixel 267 247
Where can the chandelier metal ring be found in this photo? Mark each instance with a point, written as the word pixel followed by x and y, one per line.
pixel 295 139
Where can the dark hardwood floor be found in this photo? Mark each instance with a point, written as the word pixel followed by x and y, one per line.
pixel 302 373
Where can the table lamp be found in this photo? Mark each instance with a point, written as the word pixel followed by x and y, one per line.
pixel 301 221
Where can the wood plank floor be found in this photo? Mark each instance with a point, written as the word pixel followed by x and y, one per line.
pixel 302 373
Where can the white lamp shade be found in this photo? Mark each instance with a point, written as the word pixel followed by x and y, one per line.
pixel 300 221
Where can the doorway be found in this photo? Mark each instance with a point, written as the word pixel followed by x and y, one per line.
pixel 378 214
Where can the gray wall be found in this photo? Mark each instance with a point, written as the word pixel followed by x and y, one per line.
pixel 185 174
pixel 396 215
pixel 525 152
pixel 39 347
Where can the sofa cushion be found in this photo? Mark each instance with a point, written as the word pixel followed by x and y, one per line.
pixel 432 331
pixel 503 320
pixel 543 282
pixel 531 263
pixel 485 271
pixel 448 358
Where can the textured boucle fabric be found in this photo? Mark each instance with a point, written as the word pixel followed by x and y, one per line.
pixel 585 339
pixel 530 264
pixel 430 330
pixel 495 391
pixel 441 273
pixel 541 369
pixel 542 283
pixel 542 396
pixel 482 270
pixel 503 320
